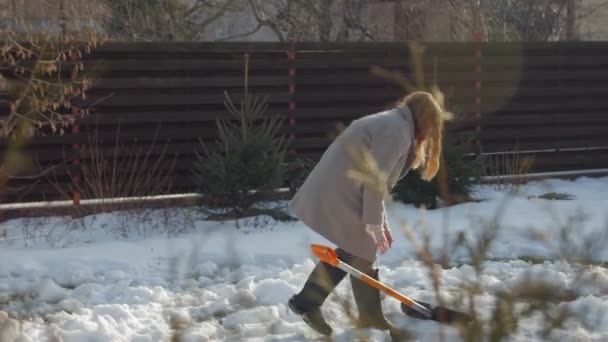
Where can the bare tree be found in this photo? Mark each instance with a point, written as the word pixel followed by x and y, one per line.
pixel 410 19
pixel 57 16
pixel 520 20
pixel 173 20
pixel 571 33
pixel 530 20
pixel 41 76
pixel 312 20
pixel 591 18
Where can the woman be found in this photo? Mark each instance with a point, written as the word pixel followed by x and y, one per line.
pixel 350 213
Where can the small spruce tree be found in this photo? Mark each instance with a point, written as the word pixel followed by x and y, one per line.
pixel 463 174
pixel 247 161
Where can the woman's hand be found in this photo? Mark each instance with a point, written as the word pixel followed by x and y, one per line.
pixel 378 233
pixel 388 234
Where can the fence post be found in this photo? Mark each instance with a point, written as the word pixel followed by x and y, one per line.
pixel 292 168
pixel 478 38
pixel 76 167
pixel 76 170
pixel 291 57
pixel 478 86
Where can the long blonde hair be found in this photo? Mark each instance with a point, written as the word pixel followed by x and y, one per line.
pixel 428 115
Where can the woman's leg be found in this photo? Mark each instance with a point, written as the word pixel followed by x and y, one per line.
pixel 369 301
pixel 307 303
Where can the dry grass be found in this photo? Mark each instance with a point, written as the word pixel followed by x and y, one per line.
pixel 508 170
pixel 118 170
pixel 125 169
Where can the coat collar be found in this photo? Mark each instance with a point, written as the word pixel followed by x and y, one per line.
pixel 406 114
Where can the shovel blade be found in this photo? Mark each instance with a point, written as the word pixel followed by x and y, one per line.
pixel 325 254
pixel 438 314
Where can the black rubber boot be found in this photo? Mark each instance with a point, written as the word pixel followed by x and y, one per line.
pixel 321 282
pixel 369 304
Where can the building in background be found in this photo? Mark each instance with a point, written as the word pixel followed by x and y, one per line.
pixel 594 21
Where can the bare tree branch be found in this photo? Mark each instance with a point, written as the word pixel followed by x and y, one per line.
pixel 243 35
pixel 214 17
pixel 592 10
pixel 173 20
pixel 258 13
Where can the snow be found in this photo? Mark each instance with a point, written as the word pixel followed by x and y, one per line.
pixel 146 275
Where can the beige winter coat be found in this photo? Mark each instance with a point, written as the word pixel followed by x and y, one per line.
pixel 336 206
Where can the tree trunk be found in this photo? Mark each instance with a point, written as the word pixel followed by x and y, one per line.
pixel 571 31
pixel 398 33
pixel 325 22
pixel 477 19
pixel 14 14
pixel 63 19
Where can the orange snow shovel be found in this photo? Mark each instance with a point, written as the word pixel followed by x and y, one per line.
pixel 409 306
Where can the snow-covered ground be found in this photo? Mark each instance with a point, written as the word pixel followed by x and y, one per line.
pixel 114 277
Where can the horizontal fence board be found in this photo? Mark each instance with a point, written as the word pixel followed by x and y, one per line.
pixel 141 135
pixel 546 162
pixel 446 64
pixel 381 94
pixel 112 151
pixel 530 106
pixel 321 141
pixel 126 100
pixel 211 96
pixel 500 75
pixel 32 196
pixel 116 66
pixel 555 132
pixel 494 108
pixel 333 112
pixel 567 161
pixel 359 78
pixel 320 127
pixel 556 92
pixel 532 145
pixel 553 95
pixel 44 192
pixel 465 48
pixel 221 82
pixel 514 120
pixel 551 61
pixel 63 174
pixel 152 49
pixel 147 116
pixel 544 48
pixel 325 127
pixel 329 133
pixel 308 79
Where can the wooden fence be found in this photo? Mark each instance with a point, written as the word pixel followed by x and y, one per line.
pixel 549 100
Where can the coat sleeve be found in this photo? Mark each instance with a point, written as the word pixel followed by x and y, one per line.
pixel 386 150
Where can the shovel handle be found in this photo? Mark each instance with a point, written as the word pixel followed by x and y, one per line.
pixel 395 294
pixel 329 256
